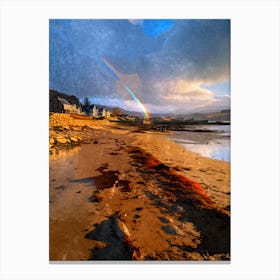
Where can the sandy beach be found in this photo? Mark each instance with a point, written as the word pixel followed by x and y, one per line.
pixel 121 192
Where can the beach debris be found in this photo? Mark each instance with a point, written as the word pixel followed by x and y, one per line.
pixel 125 185
pixel 136 216
pixel 121 228
pixel 163 220
pixel 169 230
pixel 106 180
pixel 60 188
pixel 178 231
pixel 179 209
pixel 135 251
pixel 102 167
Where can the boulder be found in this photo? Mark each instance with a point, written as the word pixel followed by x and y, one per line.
pixel 61 140
pixel 74 139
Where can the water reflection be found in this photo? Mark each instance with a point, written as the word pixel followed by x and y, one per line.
pixel 61 169
pixel 70 165
pixel 219 151
pixel 214 144
pixel 67 153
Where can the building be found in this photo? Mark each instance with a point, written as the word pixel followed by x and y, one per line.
pixel 63 103
pixel 69 108
pixel 96 111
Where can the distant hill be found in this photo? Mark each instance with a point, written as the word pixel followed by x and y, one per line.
pixel 223 115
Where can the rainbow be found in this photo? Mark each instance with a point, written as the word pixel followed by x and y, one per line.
pixel 118 76
pixel 112 70
pixel 140 104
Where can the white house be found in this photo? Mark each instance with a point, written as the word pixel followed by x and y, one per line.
pixel 68 107
pixel 99 112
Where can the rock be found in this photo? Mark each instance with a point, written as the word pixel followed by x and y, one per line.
pixel 120 228
pixel 178 231
pixel 51 141
pixel 180 209
pixel 52 151
pixel 61 140
pixel 124 228
pixel 74 139
pixel 194 256
pixel 169 230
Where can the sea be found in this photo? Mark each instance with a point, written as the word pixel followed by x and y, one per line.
pixel 212 141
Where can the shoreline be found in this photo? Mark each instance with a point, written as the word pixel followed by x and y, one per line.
pixel 143 187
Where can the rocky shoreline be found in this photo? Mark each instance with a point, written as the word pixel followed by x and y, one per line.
pixel 67 131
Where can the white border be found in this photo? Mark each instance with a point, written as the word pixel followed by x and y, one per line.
pixel 255 138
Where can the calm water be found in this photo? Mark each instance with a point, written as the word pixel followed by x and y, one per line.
pixel 214 144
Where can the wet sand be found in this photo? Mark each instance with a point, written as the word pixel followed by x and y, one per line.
pixel 129 194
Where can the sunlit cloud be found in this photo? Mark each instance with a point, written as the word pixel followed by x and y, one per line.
pixel 186 96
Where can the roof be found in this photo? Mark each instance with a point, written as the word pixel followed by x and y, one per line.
pixel 64 101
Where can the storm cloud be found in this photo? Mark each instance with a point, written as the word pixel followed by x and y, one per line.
pixel 171 65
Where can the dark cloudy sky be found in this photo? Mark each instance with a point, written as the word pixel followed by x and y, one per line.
pixel 172 66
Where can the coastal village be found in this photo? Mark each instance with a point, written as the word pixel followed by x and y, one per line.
pixel 69 104
pixel 68 115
